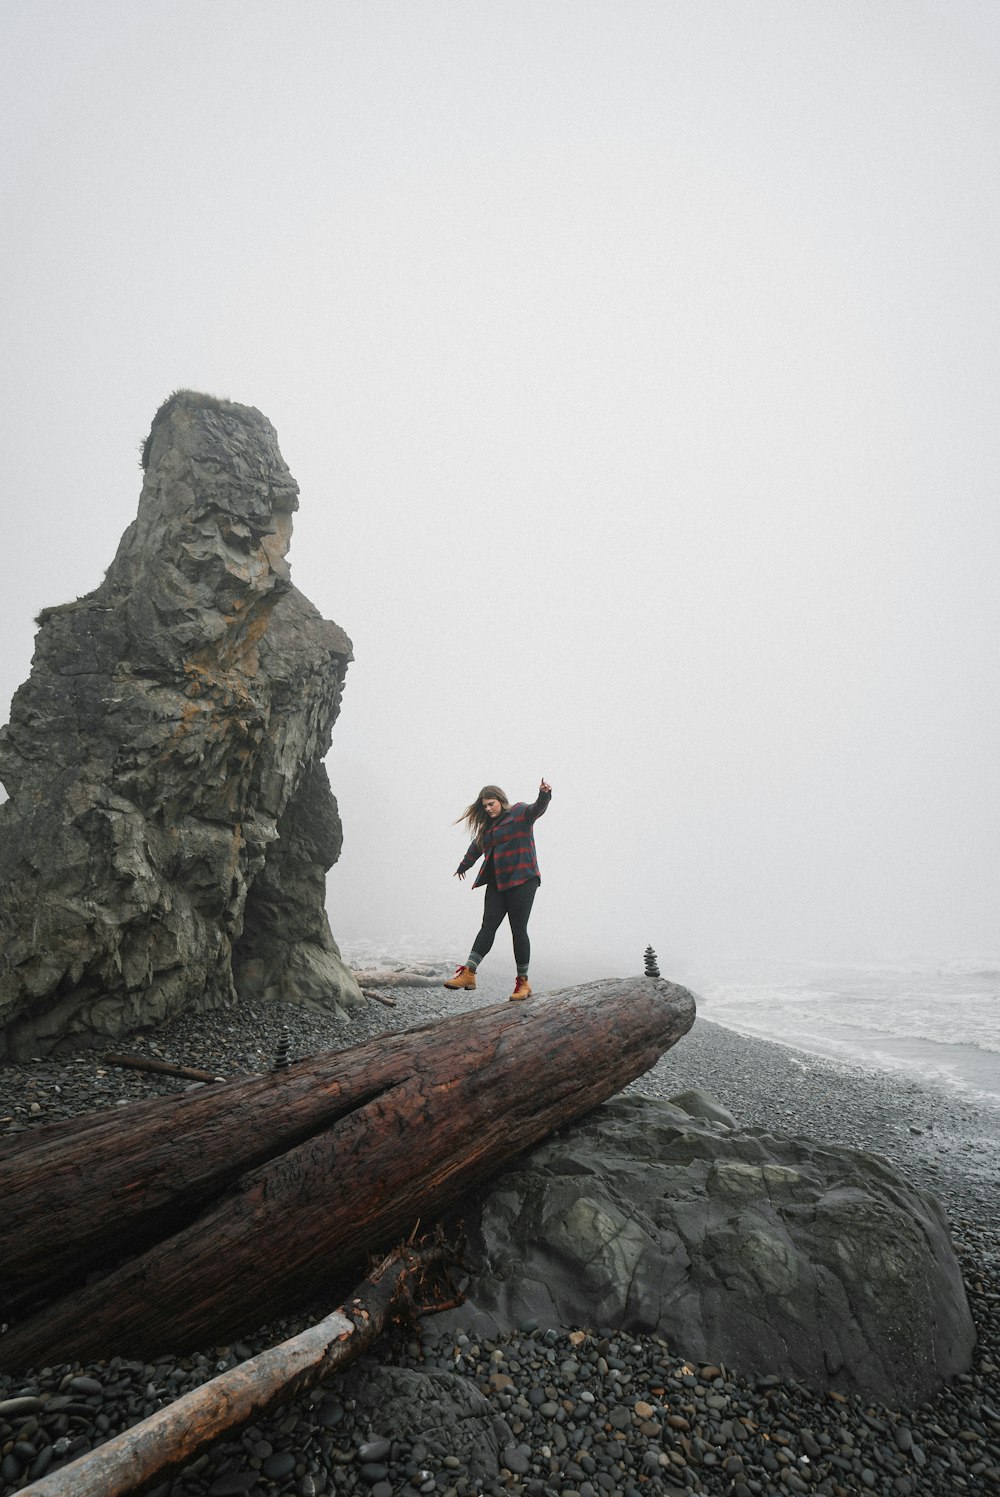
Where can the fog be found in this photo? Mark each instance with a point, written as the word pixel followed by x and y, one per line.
pixel 638 367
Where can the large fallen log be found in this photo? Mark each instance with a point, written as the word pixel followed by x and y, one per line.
pixel 232 1205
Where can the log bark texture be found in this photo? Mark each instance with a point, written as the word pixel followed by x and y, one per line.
pixel 149 1452
pixel 235 1204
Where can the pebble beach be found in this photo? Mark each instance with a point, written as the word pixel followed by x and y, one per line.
pixel 576 1411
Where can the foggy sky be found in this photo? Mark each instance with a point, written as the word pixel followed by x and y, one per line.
pixel 638 367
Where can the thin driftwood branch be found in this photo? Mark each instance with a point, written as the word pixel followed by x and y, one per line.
pixel 378 997
pixel 385 978
pixel 148 1453
pixel 161 1067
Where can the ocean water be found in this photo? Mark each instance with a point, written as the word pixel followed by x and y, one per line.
pixel 935 1021
pixel 938 1021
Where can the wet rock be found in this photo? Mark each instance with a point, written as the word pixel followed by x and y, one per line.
pixel 764 1253
pixel 170 823
pixel 698 1104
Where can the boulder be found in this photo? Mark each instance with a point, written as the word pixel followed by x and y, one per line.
pixel 170 824
pixel 763 1253
pixel 698 1104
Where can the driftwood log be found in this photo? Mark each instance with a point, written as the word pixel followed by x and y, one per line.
pixel 385 977
pixel 212 1212
pixel 173 1436
pixel 160 1067
pixel 377 997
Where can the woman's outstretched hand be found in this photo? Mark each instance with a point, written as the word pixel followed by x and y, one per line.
pixel 545 788
pixel 460 872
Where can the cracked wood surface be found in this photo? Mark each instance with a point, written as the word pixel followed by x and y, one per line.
pixel 262 1190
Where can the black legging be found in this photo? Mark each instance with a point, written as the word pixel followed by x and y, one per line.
pixel 515 904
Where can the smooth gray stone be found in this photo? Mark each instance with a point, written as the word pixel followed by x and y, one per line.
pixel 698 1104
pixel 768 1254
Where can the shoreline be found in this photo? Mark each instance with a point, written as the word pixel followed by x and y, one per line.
pixel 969 1072
pixel 311 1448
pixel 940 1139
pixel 931 1021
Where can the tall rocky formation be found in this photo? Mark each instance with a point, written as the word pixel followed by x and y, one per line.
pixel 170 822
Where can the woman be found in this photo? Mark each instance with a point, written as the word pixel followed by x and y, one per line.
pixel 503 836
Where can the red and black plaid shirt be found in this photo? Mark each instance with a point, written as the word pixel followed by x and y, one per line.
pixel 511 841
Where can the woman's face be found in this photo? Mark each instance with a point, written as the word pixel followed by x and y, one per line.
pixel 492 806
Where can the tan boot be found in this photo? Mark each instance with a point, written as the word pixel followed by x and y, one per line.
pixel 464 978
pixel 522 989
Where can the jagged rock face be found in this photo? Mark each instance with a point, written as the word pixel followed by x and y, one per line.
pixel 163 760
pixel 764 1253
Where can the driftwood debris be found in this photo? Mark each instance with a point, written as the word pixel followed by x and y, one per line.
pixel 183 1220
pixel 149 1452
pixel 160 1067
pixel 370 980
pixel 378 997
pixel 388 978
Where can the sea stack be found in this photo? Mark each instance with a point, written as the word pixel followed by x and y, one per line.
pixel 170 821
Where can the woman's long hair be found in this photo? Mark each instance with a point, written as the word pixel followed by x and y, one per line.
pixel 475 816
